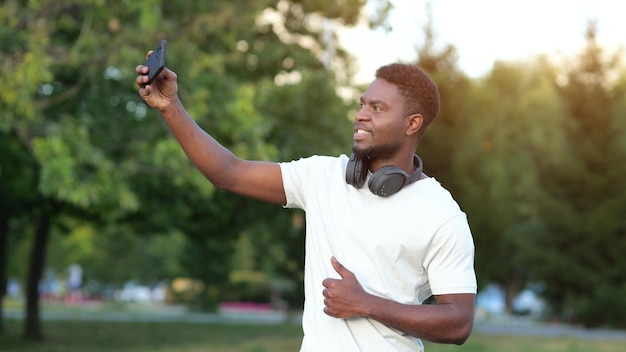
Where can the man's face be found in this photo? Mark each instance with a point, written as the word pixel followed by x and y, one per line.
pixel 380 124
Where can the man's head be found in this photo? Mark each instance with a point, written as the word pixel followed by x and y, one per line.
pixel 420 92
pixel 395 110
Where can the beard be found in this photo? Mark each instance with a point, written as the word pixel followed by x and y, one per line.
pixel 377 152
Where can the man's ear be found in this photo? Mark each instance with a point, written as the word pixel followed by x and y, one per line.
pixel 415 122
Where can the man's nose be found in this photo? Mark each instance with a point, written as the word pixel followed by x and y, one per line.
pixel 362 114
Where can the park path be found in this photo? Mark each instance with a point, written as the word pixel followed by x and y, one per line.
pixel 498 326
pixel 161 315
pixel 547 330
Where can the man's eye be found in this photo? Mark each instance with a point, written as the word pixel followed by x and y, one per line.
pixel 378 108
pixel 361 105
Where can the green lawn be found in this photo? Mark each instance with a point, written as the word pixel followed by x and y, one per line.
pixel 65 336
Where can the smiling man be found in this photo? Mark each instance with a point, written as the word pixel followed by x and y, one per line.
pixel 373 254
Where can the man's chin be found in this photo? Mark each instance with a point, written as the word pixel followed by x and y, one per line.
pixel 360 152
pixel 381 152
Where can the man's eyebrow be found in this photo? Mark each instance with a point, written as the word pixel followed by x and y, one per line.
pixel 372 102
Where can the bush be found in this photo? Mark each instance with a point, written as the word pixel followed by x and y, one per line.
pixel 606 308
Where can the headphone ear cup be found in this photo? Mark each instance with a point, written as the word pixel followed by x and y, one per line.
pixel 356 171
pixel 387 180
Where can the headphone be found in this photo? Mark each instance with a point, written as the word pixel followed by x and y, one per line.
pixel 385 181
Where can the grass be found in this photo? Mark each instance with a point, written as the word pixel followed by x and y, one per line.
pixel 489 343
pixel 68 336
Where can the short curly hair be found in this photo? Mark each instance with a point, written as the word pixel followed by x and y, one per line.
pixel 420 92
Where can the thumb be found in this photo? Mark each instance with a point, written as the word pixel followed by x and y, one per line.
pixel 339 268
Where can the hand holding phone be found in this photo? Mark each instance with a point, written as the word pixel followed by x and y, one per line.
pixel 156 61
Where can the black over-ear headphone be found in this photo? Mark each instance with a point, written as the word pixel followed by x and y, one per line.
pixel 385 181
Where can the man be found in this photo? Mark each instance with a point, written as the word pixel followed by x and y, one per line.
pixel 374 253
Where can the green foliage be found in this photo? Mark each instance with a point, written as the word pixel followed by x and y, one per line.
pixel 496 155
pixel 306 118
pixel 18 176
pixel 92 147
pixel 534 155
pixel 112 255
pixel 248 291
pixel 593 308
pixel 76 172
pixel 25 65
pixel 580 252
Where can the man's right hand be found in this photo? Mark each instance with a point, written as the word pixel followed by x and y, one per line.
pixel 162 92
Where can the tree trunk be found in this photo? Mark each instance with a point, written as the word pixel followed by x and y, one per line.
pixel 32 327
pixel 512 287
pixel 4 229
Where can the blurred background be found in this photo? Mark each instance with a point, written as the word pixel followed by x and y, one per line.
pixel 100 208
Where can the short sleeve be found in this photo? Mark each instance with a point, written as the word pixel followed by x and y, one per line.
pixel 449 261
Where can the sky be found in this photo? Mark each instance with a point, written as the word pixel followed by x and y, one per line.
pixel 484 31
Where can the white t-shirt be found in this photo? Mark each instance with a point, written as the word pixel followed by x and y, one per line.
pixel 405 248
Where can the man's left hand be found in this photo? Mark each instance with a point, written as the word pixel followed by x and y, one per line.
pixel 344 298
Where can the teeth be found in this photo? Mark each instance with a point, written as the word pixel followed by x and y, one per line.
pixel 360 131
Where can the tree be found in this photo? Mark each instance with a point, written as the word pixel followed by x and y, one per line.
pixel 18 173
pixel 71 101
pixel 43 97
pixel 580 253
pixel 451 125
pixel 516 112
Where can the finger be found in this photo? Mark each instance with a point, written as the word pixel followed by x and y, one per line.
pixel 144 91
pixel 149 53
pixel 339 268
pixel 328 282
pixel 141 81
pixel 142 69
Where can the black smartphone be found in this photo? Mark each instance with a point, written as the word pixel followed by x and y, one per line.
pixel 156 61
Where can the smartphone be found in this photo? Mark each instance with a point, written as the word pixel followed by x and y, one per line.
pixel 156 61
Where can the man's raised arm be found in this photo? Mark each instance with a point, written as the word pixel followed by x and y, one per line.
pixel 256 179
